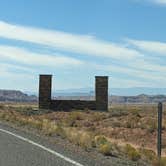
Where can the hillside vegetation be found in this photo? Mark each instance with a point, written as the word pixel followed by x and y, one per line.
pixel 125 131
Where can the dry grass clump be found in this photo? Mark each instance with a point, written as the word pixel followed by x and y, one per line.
pixel 106 149
pixel 118 112
pixel 100 140
pixel 159 162
pixel 78 137
pixel 152 125
pixel 132 124
pixel 49 128
pixel 60 131
pixel 132 153
pixel 148 154
pixel 72 118
pixel 99 116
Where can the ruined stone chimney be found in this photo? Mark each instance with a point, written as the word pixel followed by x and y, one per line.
pixel 45 82
pixel 101 93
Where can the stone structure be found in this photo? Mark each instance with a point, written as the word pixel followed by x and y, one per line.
pixel 45 84
pixel 101 93
pixel 100 104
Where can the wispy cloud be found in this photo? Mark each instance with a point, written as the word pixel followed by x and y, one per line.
pixel 162 2
pixel 67 41
pixel 27 57
pixel 129 59
pixel 150 46
pixel 133 72
pixel 7 66
pixel 158 2
pixel 74 43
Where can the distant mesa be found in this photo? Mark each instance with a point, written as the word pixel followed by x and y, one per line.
pixel 16 96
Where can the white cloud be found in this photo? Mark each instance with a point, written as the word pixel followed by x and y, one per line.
pixel 128 83
pixel 27 57
pixel 150 46
pixel 133 62
pixel 152 77
pixel 67 41
pixel 78 43
pixel 162 2
pixel 8 66
pixel 158 2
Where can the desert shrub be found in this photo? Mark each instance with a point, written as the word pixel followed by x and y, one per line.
pixel 98 116
pixel 72 118
pixel 159 162
pixel 148 154
pixel 7 117
pixel 78 137
pixel 105 149
pixel 30 121
pixel 20 121
pixel 152 125
pixel 117 112
pixel 130 123
pixel 86 140
pixel 132 153
pixel 23 109
pixel 2 115
pixel 100 140
pixel 163 142
pixel 116 124
pixel 59 131
pixel 73 135
pixel 76 116
pixel 2 107
pixel 49 127
pixel 136 112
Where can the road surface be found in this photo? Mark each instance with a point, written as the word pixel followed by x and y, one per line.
pixel 16 150
pixel 20 148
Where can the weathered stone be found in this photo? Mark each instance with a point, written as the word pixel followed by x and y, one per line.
pixel 45 91
pixel 100 104
pixel 102 93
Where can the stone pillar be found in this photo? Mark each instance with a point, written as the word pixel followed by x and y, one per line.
pixel 102 93
pixel 45 91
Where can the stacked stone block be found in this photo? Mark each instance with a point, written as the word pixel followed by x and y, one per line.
pixel 67 105
pixel 45 91
pixel 102 93
pixel 45 101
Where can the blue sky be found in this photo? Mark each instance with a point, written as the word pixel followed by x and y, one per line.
pixel 76 40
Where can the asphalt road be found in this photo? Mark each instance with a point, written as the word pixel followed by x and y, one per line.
pixel 16 150
pixel 19 147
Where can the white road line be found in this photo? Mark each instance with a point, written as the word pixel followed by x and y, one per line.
pixel 42 147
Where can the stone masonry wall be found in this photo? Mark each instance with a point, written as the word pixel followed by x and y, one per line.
pixel 45 102
pixel 67 105
pixel 45 91
pixel 101 93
